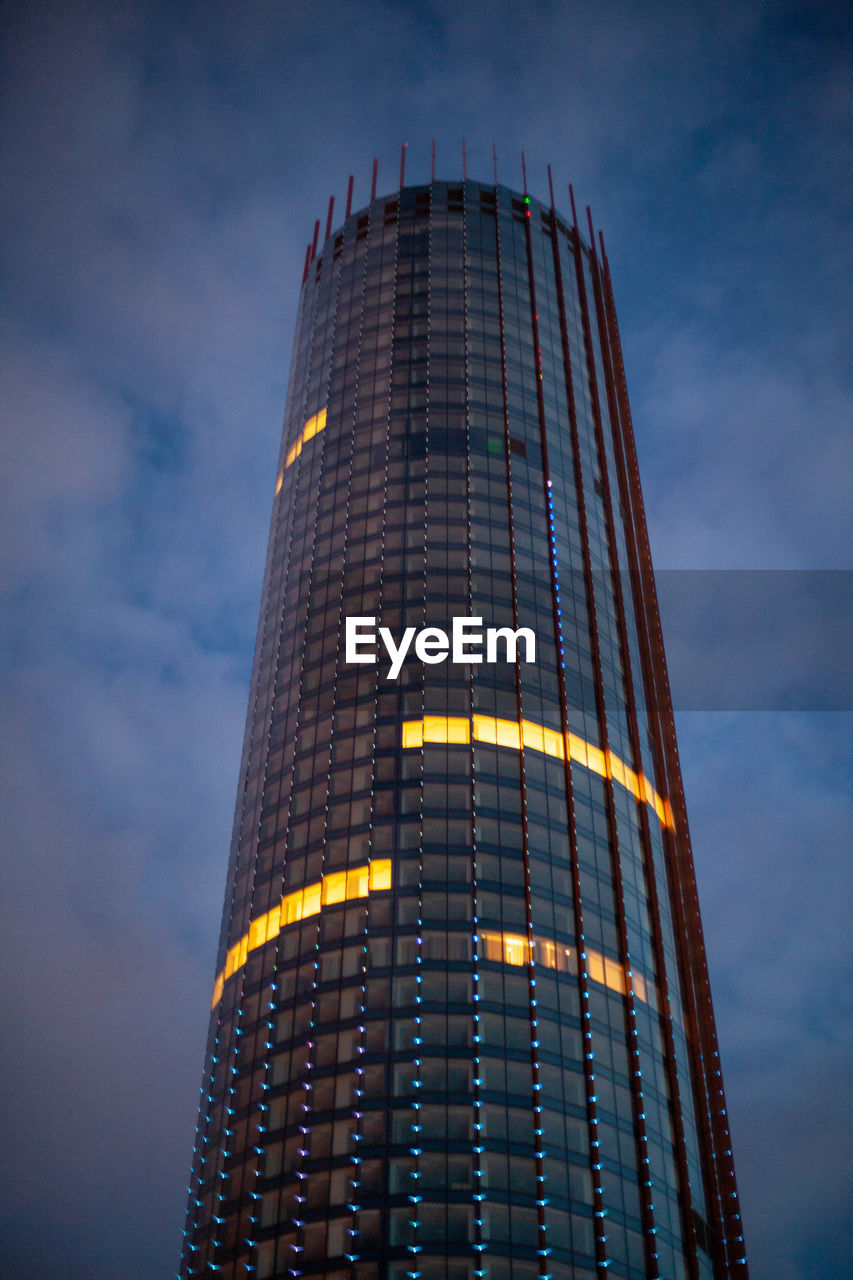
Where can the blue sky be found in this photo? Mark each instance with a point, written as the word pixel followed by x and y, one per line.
pixel 163 167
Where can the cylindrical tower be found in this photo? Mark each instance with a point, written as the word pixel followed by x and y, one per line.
pixel 461 1023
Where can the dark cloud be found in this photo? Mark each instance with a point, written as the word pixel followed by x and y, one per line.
pixel 163 169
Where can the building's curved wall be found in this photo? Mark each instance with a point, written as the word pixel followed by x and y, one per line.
pixel 448 1036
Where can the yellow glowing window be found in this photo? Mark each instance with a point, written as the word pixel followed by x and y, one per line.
pixel 380 874
pixel 535 737
pixel 623 773
pixel 279 482
pixel 505 948
pixel 632 782
pixel 595 966
pixel 492 945
pixel 552 956
pixel 339 886
pixel 413 733
pixel 516 949
pixel 458 730
pixel 312 427
pixel 617 769
pixel 357 882
pixel 312 898
pixel 446 729
pixel 273 922
pixel 334 888
pixel 595 761
pixel 508 734
pixel 485 729
pixel 614 978
pixel 257 932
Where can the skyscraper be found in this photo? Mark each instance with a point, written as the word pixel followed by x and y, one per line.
pixel 461 1020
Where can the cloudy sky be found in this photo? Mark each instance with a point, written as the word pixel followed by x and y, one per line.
pixel 162 169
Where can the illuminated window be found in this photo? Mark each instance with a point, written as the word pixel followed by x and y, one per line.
pixel 502 733
pixel 380 874
pixel 595 760
pixel 338 886
pixel 334 888
pixel 357 882
pixel 452 729
pixel 536 737
pixel 595 966
pixel 554 744
pixel 514 949
pixel 413 733
pixel 273 919
pixel 485 728
pixel 546 953
pixel 492 947
pixel 257 932
pixel 311 899
pixel 312 427
pixel 614 978
pixel 291 909
pixel 619 770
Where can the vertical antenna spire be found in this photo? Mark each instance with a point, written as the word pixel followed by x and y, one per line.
pixel 432 170
pixel 373 180
pixel 591 232
pixel 551 186
pixel 349 196
pixel 495 162
pixel 524 172
pixel 329 217
pixel 403 165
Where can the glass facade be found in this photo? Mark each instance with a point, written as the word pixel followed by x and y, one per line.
pixel 461 1024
